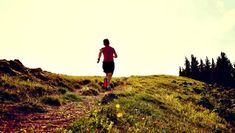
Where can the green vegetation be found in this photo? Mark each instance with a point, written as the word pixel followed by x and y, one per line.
pixel 87 91
pixel 14 89
pixel 21 97
pixel 30 108
pixel 53 101
pixel 72 97
pixel 153 104
pixel 158 103
pixel 8 97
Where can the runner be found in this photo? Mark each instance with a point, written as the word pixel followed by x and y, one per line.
pixel 108 63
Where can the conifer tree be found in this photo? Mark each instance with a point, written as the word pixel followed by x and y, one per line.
pixel 224 70
pixel 201 71
pixel 213 75
pixel 180 71
pixel 233 76
pixel 207 70
pixel 194 67
pixel 187 68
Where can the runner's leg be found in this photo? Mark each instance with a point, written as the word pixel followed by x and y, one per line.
pixel 105 83
pixel 109 77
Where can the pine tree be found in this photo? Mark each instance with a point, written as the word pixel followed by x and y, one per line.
pixel 213 75
pixel 201 70
pixel 233 76
pixel 224 70
pixel 187 68
pixel 180 71
pixel 207 70
pixel 194 68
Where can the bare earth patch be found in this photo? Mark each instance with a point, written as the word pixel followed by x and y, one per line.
pixel 54 119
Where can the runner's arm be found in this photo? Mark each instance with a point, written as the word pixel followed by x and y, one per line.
pixel 98 60
pixel 115 54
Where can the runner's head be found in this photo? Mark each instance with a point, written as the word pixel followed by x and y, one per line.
pixel 106 42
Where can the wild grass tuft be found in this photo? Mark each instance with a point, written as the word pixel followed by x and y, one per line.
pixel 30 108
pixel 72 97
pixel 8 97
pixel 51 100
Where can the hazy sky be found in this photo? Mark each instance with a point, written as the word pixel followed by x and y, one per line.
pixel 150 36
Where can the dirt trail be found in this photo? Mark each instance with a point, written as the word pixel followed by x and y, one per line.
pixel 56 118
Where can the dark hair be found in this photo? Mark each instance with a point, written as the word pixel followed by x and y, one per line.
pixel 106 42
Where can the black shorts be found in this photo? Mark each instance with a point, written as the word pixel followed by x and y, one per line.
pixel 108 67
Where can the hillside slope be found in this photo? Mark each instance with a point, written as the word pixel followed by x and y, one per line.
pixel 40 101
pixel 162 104
pixel 33 100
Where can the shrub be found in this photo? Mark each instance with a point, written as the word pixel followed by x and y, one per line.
pixel 108 98
pixel 53 101
pixel 72 97
pixel 76 86
pixel 8 97
pixel 94 85
pixel 205 103
pixel 31 108
pixel 197 90
pixel 62 90
pixel 85 82
pixel 90 92
pixel 38 91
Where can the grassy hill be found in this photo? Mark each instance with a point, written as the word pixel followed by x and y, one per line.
pixel 33 100
pixel 157 104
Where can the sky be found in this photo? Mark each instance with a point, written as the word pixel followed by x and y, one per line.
pixel 149 36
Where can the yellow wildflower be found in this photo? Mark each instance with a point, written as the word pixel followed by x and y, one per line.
pixel 117 106
pixel 119 114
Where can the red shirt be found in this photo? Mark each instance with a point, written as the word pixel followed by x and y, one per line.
pixel 108 53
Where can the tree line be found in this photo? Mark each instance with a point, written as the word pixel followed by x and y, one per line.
pixel 221 72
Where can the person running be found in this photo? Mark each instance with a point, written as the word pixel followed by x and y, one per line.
pixel 108 63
